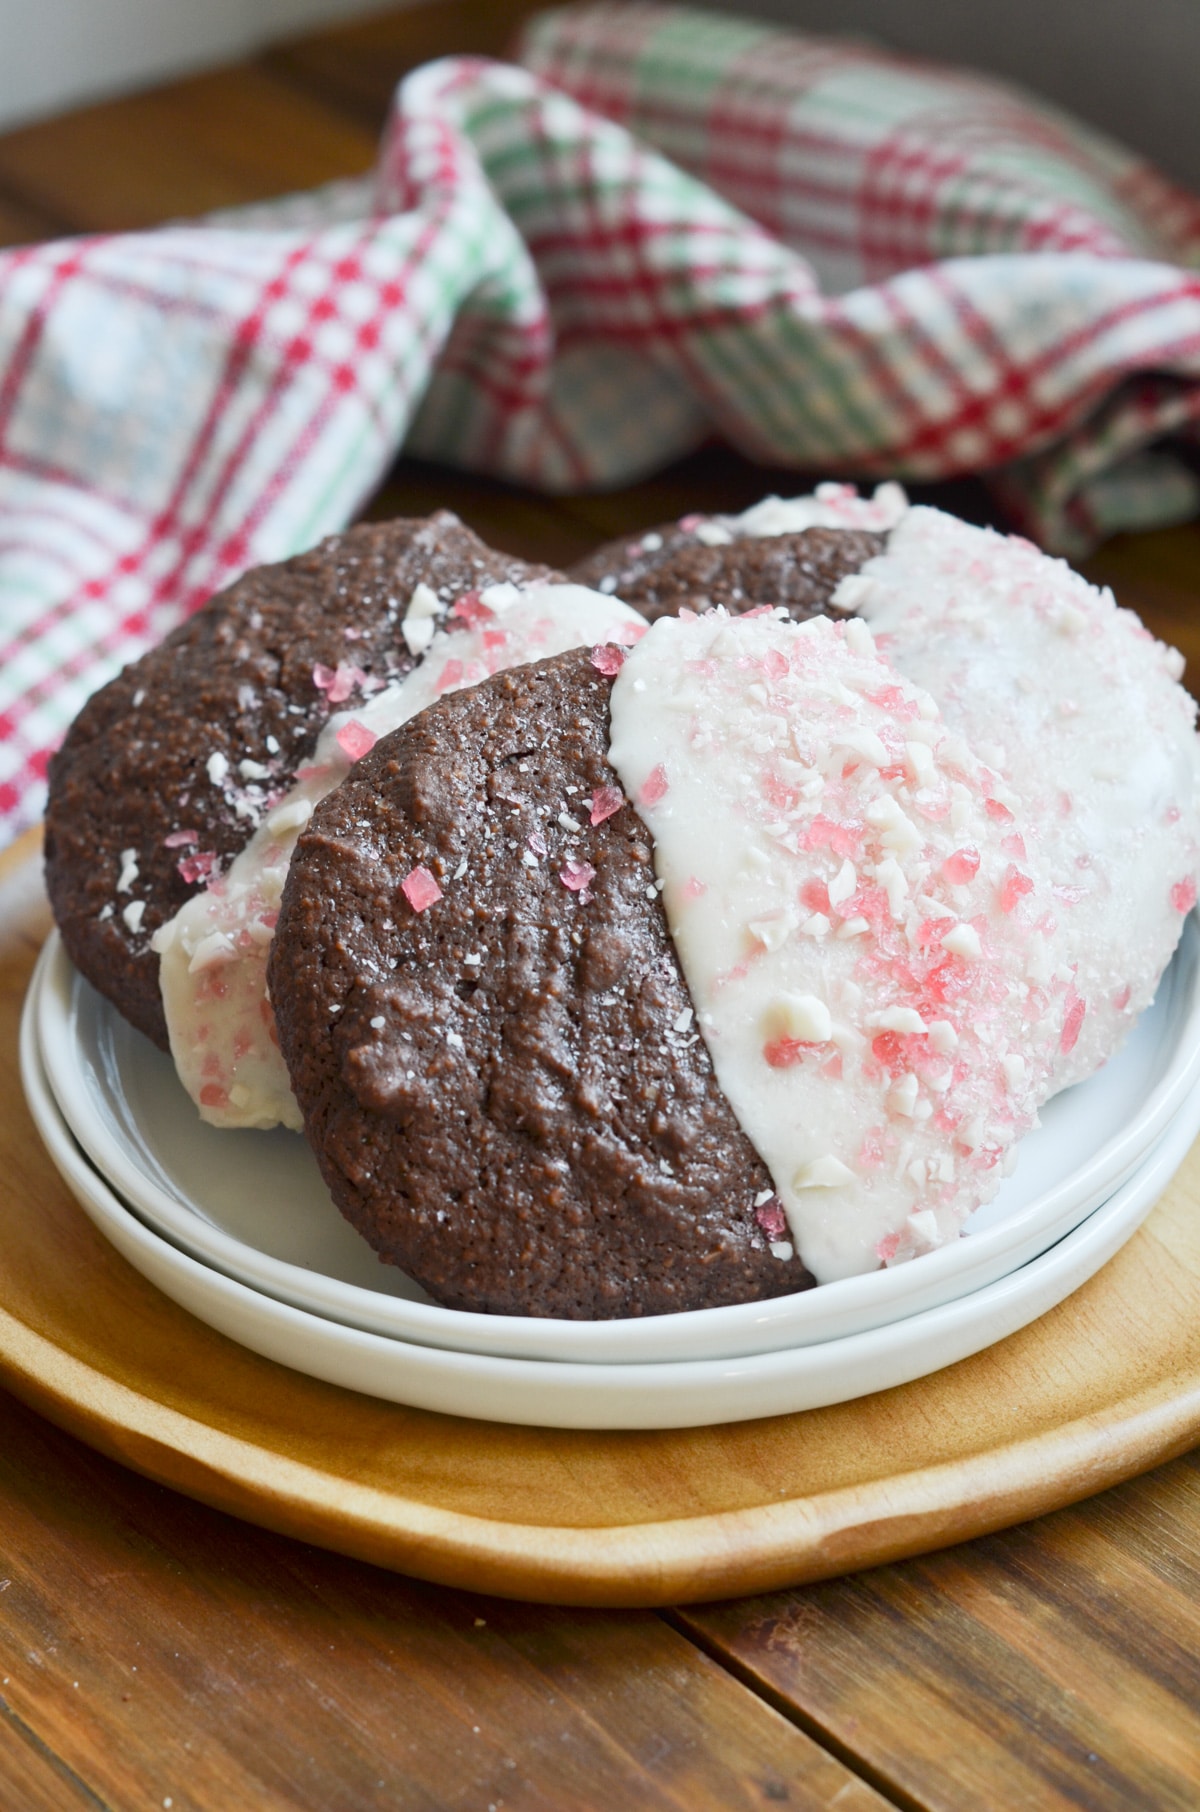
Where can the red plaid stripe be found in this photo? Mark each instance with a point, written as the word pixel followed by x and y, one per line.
pixel 569 308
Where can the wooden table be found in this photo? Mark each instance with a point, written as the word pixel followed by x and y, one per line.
pixel 155 1653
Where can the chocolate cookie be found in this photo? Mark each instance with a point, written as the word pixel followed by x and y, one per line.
pixel 488 1032
pixel 167 769
pixel 672 567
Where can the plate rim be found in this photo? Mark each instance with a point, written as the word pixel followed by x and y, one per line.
pixel 736 1330
pixel 648 1380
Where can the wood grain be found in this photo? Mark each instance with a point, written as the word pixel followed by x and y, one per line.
pixel 158 1650
pixel 1102 1387
pixel 211 142
pixel 22 225
pixel 32 1777
pixel 1158 575
pixel 1052 1666
pixel 356 67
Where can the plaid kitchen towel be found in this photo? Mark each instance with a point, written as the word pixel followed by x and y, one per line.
pixel 665 225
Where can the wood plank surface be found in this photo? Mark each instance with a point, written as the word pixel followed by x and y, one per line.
pixel 356 66
pixel 32 1777
pixel 22 225
pixel 1054 1666
pixel 1158 575
pixel 210 142
pixel 163 1652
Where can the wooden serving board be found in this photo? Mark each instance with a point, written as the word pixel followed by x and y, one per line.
pixel 1105 1386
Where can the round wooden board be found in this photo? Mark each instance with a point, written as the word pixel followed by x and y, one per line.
pixel 1103 1387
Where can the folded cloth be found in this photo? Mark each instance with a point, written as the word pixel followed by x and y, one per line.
pixel 847 262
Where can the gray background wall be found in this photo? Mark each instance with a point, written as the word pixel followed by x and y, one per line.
pixel 56 54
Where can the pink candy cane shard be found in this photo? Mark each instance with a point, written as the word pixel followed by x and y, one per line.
pixel 471 610
pixel 1015 886
pixel 607 660
pixel 337 684
pixel 605 801
pixel 345 680
pixel 420 889
pixel 654 786
pixel 1072 1023
pixel 575 876
pixel 772 1219
pixel 197 867
pixel 354 739
pixel 1183 895
pixel 962 866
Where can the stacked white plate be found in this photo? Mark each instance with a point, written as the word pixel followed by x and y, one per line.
pixel 239 1229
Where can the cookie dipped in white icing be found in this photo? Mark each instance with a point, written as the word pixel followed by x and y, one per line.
pixel 213 953
pixel 829 506
pixel 1077 709
pixel 855 935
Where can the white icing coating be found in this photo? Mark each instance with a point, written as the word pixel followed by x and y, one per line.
pixel 1078 710
pixel 829 506
pixel 857 955
pixel 213 953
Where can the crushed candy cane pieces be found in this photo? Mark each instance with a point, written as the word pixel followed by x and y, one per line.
pixel 355 740
pixel 196 867
pixel 606 801
pixel 337 683
pixel 471 610
pixel 576 876
pixel 654 786
pixel 420 889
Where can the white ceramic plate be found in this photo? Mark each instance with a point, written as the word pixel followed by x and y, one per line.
pixel 253 1204
pixel 546 1393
